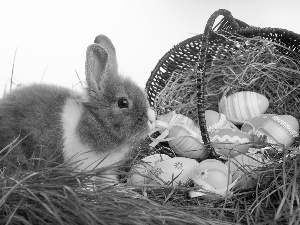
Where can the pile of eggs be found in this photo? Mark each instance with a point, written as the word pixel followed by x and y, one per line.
pixel 245 109
pixel 209 175
pixel 242 108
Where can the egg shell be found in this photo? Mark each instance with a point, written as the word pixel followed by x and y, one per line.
pixel 139 173
pixel 213 119
pixel 255 122
pixel 213 172
pixel 185 144
pixel 172 171
pixel 243 105
pixel 276 133
pixel 244 164
pixel 229 141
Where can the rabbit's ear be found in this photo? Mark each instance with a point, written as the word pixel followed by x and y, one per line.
pixel 101 62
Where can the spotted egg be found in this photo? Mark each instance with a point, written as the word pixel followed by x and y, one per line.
pixel 139 173
pixel 229 141
pixel 173 172
pixel 243 105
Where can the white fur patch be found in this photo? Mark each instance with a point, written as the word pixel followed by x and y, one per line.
pixel 83 157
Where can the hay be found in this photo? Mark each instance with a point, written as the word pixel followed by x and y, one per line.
pixel 59 195
pixel 274 199
pixel 33 192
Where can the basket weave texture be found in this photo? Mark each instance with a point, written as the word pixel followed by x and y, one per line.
pixel 200 51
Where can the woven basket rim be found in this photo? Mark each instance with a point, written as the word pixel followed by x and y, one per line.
pixel 256 31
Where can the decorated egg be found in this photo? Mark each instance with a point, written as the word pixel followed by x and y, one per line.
pixel 279 129
pixel 212 175
pixel 244 164
pixel 172 171
pixel 187 141
pixel 243 105
pixel 174 118
pixel 215 120
pixel 229 141
pixel 139 173
pixel 165 123
pixel 255 122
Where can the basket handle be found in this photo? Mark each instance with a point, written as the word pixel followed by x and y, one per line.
pixel 201 67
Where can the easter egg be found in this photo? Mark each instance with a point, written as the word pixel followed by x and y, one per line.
pixel 279 129
pixel 229 141
pixel 174 118
pixel 139 173
pixel 187 141
pixel 213 172
pixel 211 175
pixel 255 122
pixel 243 105
pixel 215 120
pixel 172 171
pixel 244 164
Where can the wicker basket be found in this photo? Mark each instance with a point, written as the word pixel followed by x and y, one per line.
pixel 200 50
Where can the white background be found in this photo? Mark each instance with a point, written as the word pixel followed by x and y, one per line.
pixel 51 36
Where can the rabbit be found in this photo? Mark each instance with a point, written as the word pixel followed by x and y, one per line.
pixel 89 131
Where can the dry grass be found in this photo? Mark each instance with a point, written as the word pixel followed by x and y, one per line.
pixel 44 194
pixel 59 195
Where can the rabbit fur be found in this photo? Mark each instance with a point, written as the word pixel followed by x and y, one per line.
pixel 93 130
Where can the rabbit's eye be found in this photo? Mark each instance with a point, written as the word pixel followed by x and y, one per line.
pixel 123 103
